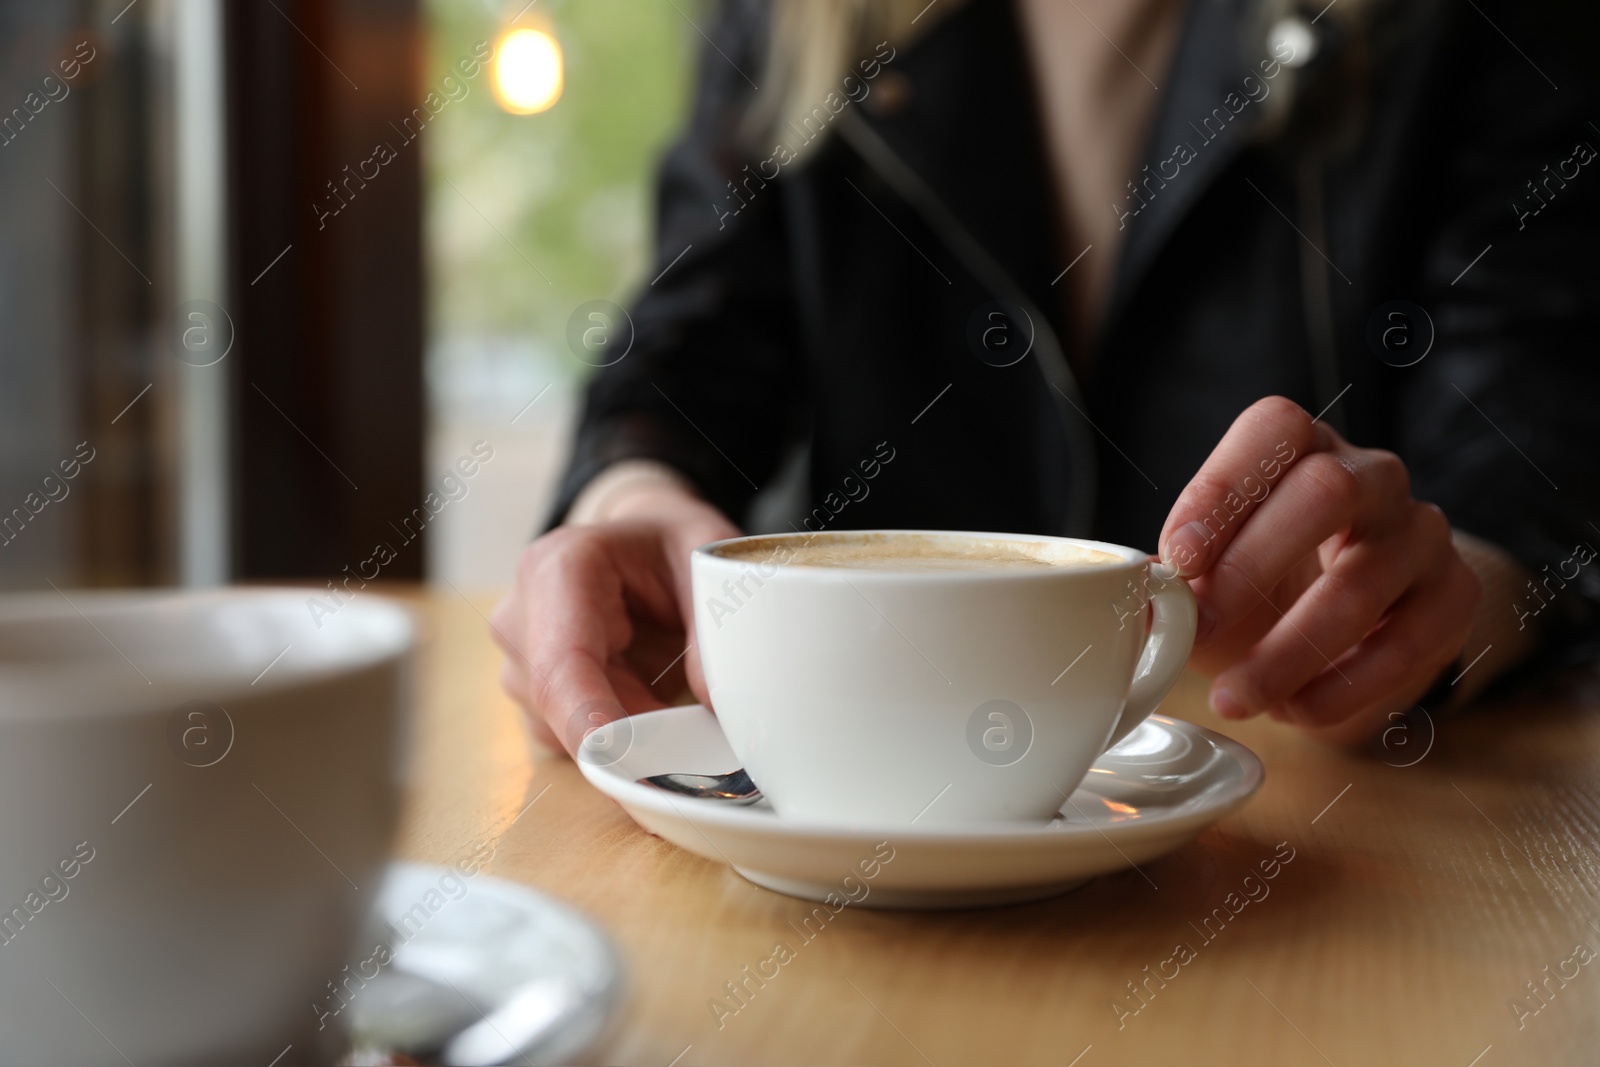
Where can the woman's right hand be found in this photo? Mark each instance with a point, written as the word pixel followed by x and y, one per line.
pixel 600 622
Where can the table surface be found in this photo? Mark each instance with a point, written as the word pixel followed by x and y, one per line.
pixel 1420 904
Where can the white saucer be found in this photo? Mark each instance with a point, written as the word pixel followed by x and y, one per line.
pixel 485 971
pixel 1147 796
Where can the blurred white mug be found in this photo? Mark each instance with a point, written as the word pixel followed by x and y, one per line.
pixel 197 798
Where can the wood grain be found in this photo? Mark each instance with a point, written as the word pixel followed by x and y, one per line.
pixel 1418 903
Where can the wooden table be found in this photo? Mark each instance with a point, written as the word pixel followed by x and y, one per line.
pixel 1419 904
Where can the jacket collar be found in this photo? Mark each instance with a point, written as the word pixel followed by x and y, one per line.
pixel 1210 105
pixel 969 129
pixel 972 132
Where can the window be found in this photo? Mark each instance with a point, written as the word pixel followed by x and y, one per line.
pixel 529 216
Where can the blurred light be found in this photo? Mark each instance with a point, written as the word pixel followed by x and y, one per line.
pixel 1294 36
pixel 527 71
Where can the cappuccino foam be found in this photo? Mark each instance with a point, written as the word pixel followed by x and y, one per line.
pixel 916 552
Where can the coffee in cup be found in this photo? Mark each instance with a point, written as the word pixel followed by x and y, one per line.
pixel 900 552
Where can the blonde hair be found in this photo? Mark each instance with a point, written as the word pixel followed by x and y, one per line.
pixel 814 44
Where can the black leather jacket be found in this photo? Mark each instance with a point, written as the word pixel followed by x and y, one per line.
pixel 1442 155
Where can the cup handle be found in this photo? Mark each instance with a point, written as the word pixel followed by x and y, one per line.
pixel 1166 650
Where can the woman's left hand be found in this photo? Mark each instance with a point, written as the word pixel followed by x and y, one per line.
pixel 1328 597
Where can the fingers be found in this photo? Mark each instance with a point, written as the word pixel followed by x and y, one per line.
pixel 594 621
pixel 1365 492
pixel 716 529
pixel 1338 610
pixel 514 680
pixel 692 672
pixel 566 695
pixel 583 595
pixel 695 674
pixel 1225 649
pixel 570 617
pixel 1371 598
pixel 1394 664
pixel 1261 445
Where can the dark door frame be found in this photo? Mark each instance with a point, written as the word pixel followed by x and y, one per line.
pixel 326 286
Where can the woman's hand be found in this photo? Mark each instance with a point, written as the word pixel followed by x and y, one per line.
pixel 1328 597
pixel 600 620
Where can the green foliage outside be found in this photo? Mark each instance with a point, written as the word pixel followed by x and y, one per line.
pixel 569 190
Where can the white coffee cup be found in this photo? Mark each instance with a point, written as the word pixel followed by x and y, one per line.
pixel 881 695
pixel 197 798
